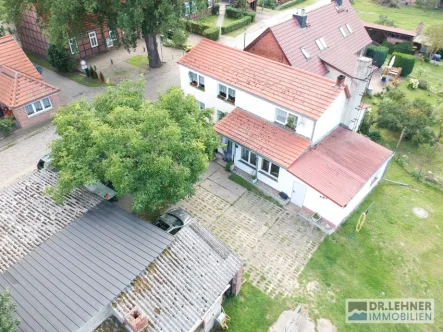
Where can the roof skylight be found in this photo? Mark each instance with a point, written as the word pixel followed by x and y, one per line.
pixel 321 43
pixel 305 53
pixel 349 28
pixel 343 32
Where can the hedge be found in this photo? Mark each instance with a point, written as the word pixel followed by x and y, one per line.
pixel 212 33
pixel 267 4
pixel 290 4
pixel 236 25
pixel 405 61
pixel 378 54
pixel 238 13
pixel 216 9
pixel 405 47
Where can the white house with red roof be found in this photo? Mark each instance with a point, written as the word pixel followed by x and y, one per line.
pixel 285 126
pixel 327 41
pixel 22 90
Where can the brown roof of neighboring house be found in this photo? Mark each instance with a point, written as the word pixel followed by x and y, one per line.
pixel 12 55
pixel 286 86
pixel 323 22
pixel 390 29
pixel 340 164
pixel 268 140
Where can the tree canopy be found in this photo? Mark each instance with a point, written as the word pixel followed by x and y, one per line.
pixel 8 321
pixel 435 37
pixel 153 151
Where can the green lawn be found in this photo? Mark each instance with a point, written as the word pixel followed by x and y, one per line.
pixel 141 61
pixel 209 20
pixel 395 255
pixel 406 17
pixel 254 311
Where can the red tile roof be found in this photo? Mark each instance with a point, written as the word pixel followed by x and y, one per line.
pixel 323 22
pixel 266 139
pixel 13 56
pixel 340 164
pixel 19 89
pixel 390 29
pixel 283 85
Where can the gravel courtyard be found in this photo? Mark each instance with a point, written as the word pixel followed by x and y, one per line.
pixel 275 244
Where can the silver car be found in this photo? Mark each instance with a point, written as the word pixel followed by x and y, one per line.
pixel 173 220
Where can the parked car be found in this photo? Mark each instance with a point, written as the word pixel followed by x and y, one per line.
pixel 173 220
pixel 103 189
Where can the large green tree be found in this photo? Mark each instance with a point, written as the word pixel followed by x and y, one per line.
pixel 435 38
pixel 8 321
pixel 153 151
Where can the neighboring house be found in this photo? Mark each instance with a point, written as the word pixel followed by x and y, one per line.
pixel 69 267
pixel 252 4
pixel 288 126
pixel 24 93
pixel 326 41
pixel 191 9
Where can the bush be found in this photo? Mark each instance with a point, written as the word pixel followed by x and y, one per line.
pixel 405 61
pixel 267 4
pixel 422 84
pixel 378 54
pixel 6 125
pixel 251 14
pixel 60 59
pixel 212 33
pixel 375 136
pixel 384 20
pixel 196 27
pixel 216 9
pixel 405 47
pixel 290 4
pixel 179 38
pixel 236 25
pixel 234 12
pixel 389 45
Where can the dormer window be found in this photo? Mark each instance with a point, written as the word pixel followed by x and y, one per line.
pixel 305 53
pixel 349 28
pixel 321 43
pixel 343 32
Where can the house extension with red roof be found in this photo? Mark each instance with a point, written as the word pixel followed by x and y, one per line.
pixel 284 126
pixel 327 41
pixel 22 90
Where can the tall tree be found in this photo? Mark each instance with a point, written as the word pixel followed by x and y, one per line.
pixel 8 321
pixel 153 151
pixel 435 38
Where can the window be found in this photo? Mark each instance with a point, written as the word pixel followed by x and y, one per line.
pixel 193 78
pixel 343 32
pixel 209 4
pixel 38 106
pixel 197 80
pixel 220 115
pixel 281 116
pixel 248 156
pixel 270 168
pixel 321 43
pixel 349 28
pixel 73 46
pixel 305 53
pixel 187 9
pixel 111 39
pixel 201 81
pixel 222 90
pixel 93 38
pixel 231 95
pixel 201 105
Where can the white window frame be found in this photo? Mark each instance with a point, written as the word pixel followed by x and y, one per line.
pixel 343 32
pixel 305 53
pixel 201 105
pixel 110 40
pixel 219 113
pixel 72 42
pixel 268 171
pixel 277 110
pixel 229 93
pixel 93 36
pixel 321 43
pixel 34 109
pixel 198 80
pixel 249 152
pixel 219 90
pixel 349 28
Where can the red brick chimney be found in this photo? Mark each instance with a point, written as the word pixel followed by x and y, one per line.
pixel 419 28
pixel 136 319
pixel 340 80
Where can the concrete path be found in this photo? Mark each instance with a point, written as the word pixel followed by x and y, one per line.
pixel 221 15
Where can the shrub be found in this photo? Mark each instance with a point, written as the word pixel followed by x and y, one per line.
pixel 375 135
pixel 60 59
pixel 405 61
pixel 179 38
pixel 236 25
pixel 413 84
pixel 267 4
pixel 290 4
pixel 216 9
pixel 196 27
pixel 234 12
pixel 6 125
pixel 251 14
pixel 378 54
pixel 389 45
pixel 384 20
pixel 405 47
pixel 212 33
pixel 101 77
pixel 87 72
pixel 422 84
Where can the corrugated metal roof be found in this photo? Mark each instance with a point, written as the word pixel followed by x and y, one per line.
pixel 340 164
pixel 289 87
pixel 73 275
pixel 323 22
pixel 178 289
pixel 262 137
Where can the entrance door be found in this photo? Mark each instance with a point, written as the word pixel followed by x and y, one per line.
pixel 298 194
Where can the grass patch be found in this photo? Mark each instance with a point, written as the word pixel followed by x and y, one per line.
pixel 140 61
pixel 405 17
pixel 395 255
pixel 237 32
pixel 76 77
pixel 250 187
pixel 295 4
pixel 254 311
pixel 209 20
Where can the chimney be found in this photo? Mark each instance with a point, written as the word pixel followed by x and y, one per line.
pixel 339 3
pixel 419 28
pixel 136 319
pixel 301 18
pixel 340 80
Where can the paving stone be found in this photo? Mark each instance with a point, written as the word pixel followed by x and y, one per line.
pixel 221 177
pixel 219 191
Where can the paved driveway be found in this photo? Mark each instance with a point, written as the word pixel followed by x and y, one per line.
pixel 274 243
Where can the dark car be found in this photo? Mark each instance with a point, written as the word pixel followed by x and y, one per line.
pixel 173 220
